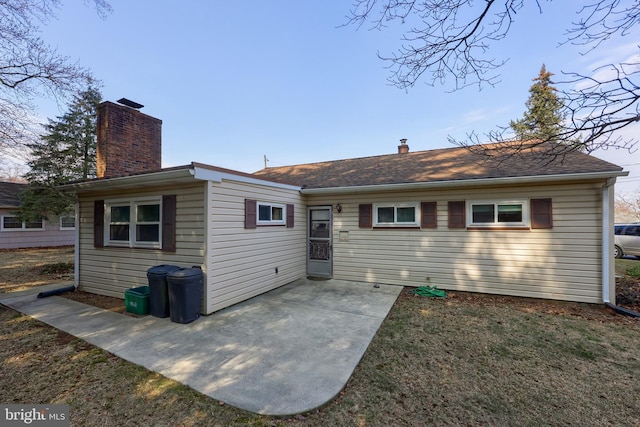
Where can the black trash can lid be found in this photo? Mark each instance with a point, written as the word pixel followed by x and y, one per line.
pixel 185 272
pixel 162 269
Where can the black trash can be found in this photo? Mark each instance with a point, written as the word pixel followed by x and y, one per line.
pixel 185 294
pixel 159 289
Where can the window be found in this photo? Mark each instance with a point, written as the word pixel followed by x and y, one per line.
pixel 509 213
pixel 396 215
pixel 67 222
pixel 270 214
pixel 262 213
pixel 12 223
pixel 133 223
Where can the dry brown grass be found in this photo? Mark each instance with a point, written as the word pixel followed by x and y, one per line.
pixel 466 360
pixel 23 269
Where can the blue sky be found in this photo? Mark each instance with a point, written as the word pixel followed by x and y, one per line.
pixel 234 81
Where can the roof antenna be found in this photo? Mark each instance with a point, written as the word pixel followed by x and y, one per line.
pixel 265 161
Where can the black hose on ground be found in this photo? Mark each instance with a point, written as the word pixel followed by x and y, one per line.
pixel 56 292
pixel 622 310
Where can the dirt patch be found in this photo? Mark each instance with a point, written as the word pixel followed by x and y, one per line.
pixel 628 293
pixel 108 303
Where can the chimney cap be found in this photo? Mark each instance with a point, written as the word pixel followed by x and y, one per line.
pixel 403 148
pixel 129 103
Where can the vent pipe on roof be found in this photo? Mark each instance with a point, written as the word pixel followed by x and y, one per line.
pixel 403 148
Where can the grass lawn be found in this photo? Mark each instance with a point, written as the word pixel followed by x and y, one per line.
pixel 467 360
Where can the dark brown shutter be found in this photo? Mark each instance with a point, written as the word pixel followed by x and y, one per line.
pixel 457 216
pixel 250 218
pixel 365 217
pixel 289 216
pixel 541 213
pixel 98 223
pixel 429 215
pixel 169 223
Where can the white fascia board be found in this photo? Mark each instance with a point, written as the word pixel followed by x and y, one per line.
pixel 536 179
pixel 217 176
pixel 131 181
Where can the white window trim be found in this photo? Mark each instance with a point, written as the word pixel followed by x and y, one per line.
pixel 526 217
pixel 63 228
pixel 24 225
pixel 271 206
pixel 133 204
pixel 395 206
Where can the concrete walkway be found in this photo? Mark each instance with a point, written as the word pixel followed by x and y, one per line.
pixel 284 352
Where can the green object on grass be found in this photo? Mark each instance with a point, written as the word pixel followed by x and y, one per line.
pixel 429 291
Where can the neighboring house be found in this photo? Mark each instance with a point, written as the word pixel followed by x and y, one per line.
pixel 454 218
pixel 14 234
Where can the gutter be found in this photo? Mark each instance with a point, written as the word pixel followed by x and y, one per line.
pixel 481 182
pixel 187 173
pixel 178 174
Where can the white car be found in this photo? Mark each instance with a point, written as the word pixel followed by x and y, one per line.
pixel 627 240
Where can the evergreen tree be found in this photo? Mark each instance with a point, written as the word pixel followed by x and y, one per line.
pixel 543 118
pixel 66 152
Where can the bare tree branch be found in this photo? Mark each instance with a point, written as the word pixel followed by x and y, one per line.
pixel 450 40
pixel 30 68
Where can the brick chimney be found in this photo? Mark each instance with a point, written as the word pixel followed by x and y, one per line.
pixel 403 148
pixel 128 141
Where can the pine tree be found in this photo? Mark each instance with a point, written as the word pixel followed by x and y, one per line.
pixel 66 152
pixel 543 118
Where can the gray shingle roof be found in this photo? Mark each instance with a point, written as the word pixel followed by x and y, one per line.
pixel 502 160
pixel 9 194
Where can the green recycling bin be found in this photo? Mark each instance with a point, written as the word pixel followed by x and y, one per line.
pixel 185 294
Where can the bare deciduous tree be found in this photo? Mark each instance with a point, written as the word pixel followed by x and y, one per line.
pixel 30 67
pixel 450 40
pixel 628 207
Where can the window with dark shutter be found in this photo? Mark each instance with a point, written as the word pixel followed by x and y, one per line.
pixel 457 218
pixel 250 217
pixel 169 223
pixel 429 215
pixel 365 217
pixel 98 223
pixel 541 213
pixel 289 216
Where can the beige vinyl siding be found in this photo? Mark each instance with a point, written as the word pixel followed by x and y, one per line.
pixel 559 263
pixel 111 271
pixel 241 263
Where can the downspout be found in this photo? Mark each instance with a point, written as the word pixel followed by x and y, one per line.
pixel 608 272
pixel 76 248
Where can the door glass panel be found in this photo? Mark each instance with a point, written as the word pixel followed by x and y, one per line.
pixel 319 223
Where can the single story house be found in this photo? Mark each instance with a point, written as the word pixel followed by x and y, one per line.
pixel 459 219
pixel 14 234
